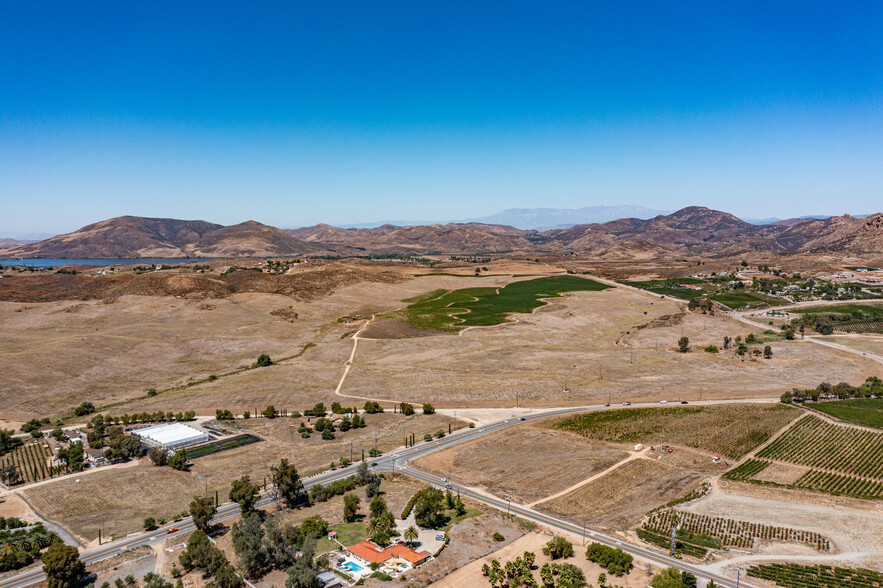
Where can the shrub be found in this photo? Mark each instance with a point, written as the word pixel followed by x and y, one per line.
pixel 498 537
pixel 406 409
pixel 712 349
pixel 558 548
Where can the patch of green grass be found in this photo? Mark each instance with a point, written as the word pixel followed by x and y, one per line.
pixel 452 311
pixel 456 520
pixel 860 411
pixel 347 533
pixel 669 287
pixel 859 311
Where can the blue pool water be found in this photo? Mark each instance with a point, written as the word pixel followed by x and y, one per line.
pixel 353 567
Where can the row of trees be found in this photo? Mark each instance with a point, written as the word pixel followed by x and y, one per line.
pixel 872 387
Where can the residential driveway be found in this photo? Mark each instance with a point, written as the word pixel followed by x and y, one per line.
pixel 426 540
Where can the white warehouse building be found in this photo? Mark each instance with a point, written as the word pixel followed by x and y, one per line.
pixel 171 436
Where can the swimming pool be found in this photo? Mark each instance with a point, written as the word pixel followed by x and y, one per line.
pixel 352 566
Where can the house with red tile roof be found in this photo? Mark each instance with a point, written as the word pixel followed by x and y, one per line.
pixel 369 553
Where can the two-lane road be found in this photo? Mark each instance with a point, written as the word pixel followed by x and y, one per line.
pixel 397 461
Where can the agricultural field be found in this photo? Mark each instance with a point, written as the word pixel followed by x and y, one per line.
pixel 847 318
pixel 816 443
pixel 836 459
pixel 867 412
pixel 740 299
pixel 671 287
pixel 792 575
pixel 453 311
pixel 619 500
pixel 130 494
pixel 223 445
pixel 726 430
pixel 717 532
pixel 32 460
pixel 518 462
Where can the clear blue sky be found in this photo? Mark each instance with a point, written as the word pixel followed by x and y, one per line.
pixel 292 113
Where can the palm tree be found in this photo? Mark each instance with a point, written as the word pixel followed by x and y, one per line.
pixel 373 528
pixel 410 534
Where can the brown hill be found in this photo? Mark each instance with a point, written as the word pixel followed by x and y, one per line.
pixel 133 237
pixel 462 238
pixel 124 236
pixel 249 239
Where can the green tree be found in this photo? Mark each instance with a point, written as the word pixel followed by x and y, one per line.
pixel 202 509
pixel 428 508
pixel 410 535
pixel 263 360
pixel 248 542
pixel 304 573
pixel 684 344
pixel 72 456
pixel 406 409
pixel 571 577
pixel 377 506
pixel 558 548
pixel 288 483
pixel 158 456
pixel 270 412
pixel 602 579
pixel 350 507
pixel 153 580
pixel 244 493
pixel 178 460
pixel 768 352
pixel 428 409
pixel 668 578
pixel 149 524
pixel 62 566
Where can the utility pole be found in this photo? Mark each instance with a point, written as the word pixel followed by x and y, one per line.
pixel 508 504
pixel 351 451
pixel 738 573
pixel 661 446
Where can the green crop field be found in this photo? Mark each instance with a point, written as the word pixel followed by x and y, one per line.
pixel 669 287
pixel 731 430
pixel 869 311
pixel 454 310
pixel 816 443
pixel 740 299
pixel 860 411
pixel 792 575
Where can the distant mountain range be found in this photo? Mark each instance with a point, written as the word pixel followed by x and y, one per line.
pixel 694 230
pixel 538 218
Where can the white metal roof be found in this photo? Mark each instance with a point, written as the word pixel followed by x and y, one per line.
pixel 170 433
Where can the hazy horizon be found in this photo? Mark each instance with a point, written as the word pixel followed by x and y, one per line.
pixel 294 115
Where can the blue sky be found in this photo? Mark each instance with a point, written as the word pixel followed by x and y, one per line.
pixel 293 113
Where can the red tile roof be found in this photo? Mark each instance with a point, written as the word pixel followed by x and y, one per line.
pixel 373 554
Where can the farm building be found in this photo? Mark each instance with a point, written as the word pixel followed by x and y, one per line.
pixel 171 436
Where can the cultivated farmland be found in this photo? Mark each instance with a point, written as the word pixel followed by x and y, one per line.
pixel 861 411
pixel 697 529
pixel 841 460
pixel 793 575
pixel 32 460
pixel 730 430
pixel 452 311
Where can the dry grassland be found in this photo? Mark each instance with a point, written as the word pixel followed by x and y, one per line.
pixel 865 343
pixel 58 354
pixel 591 338
pixel 126 496
pixel 530 463
pixel 620 499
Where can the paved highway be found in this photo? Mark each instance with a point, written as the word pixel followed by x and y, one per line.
pixel 398 462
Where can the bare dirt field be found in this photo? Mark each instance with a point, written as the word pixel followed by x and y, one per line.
pixel 620 499
pixel 591 339
pixel 528 462
pixel 853 526
pixel 127 496
pixel 865 343
pixel 471 575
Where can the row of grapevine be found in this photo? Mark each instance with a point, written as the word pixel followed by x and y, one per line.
pixel 32 461
pixel 747 470
pixel 839 484
pixel 793 575
pixel 817 443
pixel 863 327
pixel 664 541
pixel 730 532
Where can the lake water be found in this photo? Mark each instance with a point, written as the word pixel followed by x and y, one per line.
pixel 141 261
